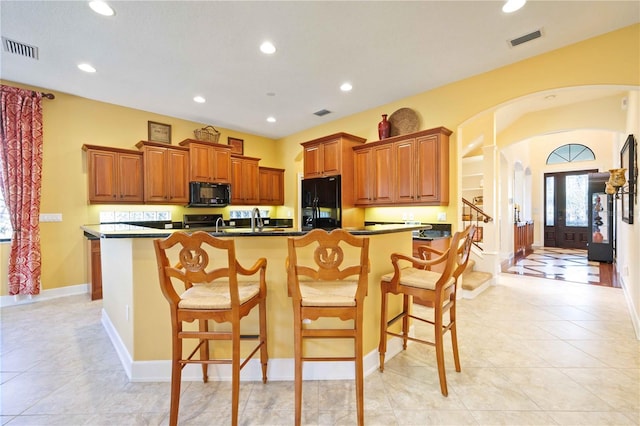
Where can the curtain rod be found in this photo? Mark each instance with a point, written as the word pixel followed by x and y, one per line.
pixel 47 95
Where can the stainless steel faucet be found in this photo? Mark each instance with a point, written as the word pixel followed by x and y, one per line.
pixel 256 220
pixel 218 220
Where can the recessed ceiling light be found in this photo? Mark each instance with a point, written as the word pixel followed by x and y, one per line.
pixel 512 5
pixel 101 7
pixel 346 87
pixel 86 68
pixel 199 99
pixel 271 119
pixel 268 48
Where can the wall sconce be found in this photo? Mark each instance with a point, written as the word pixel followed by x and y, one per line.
pixel 616 182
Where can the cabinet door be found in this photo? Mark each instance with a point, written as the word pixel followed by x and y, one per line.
pixel 202 163
pixel 362 182
pixel 130 179
pixel 221 166
pixel 114 177
pixel 103 170
pixel 95 264
pixel 313 161
pixel 404 171
pixel 382 175
pixel 177 178
pixel 331 158
pixel 251 186
pixel 155 170
pixel 271 187
pixel 277 181
pixel 429 173
pixel 245 185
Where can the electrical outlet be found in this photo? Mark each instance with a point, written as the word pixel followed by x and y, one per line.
pixel 50 217
pixel 442 217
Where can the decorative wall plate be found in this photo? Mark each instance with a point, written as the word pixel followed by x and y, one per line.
pixel 403 121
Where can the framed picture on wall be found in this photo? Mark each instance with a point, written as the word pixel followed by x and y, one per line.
pixel 628 161
pixel 237 145
pixel 159 132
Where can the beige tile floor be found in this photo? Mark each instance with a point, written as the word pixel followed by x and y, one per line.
pixel 533 352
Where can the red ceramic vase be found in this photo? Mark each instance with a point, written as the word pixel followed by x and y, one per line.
pixel 384 127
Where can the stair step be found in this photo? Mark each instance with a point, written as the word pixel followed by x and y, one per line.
pixel 472 280
pixel 470 265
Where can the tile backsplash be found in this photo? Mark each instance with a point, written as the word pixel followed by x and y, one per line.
pixel 135 216
pixel 239 214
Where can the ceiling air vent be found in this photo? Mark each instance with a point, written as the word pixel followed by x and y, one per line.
pixel 525 38
pixel 18 48
pixel 322 112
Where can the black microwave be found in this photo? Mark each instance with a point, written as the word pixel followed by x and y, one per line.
pixel 205 194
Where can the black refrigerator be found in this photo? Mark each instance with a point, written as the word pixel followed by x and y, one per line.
pixel 321 203
pixel 601 220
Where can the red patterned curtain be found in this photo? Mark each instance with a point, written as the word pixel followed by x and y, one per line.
pixel 21 180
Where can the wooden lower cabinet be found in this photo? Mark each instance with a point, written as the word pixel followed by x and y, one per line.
pixel 95 286
pixel 441 244
pixel 522 238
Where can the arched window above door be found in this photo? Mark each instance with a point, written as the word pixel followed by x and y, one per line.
pixel 569 153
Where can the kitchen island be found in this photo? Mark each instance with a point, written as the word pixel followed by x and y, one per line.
pixel 136 315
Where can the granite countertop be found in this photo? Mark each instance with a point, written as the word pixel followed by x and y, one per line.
pixel 116 230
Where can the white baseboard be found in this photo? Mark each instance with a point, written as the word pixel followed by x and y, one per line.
pixel 54 293
pixel 279 369
pixel 635 315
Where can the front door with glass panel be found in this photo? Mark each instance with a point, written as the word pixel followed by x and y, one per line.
pixel 567 209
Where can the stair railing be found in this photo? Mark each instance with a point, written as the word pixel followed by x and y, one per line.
pixel 472 214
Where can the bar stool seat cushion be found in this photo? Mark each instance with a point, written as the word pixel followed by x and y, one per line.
pixel 418 278
pixel 215 295
pixel 328 293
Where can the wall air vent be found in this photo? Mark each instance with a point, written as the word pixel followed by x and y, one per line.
pixel 322 112
pixel 18 48
pixel 525 38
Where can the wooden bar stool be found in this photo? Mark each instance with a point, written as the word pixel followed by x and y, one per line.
pixel 436 288
pixel 207 269
pixel 322 288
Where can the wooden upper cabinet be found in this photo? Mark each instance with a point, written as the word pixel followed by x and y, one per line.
pixel 115 175
pixel 329 156
pixel 245 186
pixel 271 186
pixel 209 162
pixel 166 173
pixel 373 172
pixel 406 169
pixel 433 155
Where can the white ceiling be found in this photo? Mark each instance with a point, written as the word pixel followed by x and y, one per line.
pixel 157 55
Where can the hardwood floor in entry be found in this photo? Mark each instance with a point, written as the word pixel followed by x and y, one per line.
pixel 563 264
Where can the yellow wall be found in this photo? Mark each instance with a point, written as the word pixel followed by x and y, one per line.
pixel 70 121
pixel 610 59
